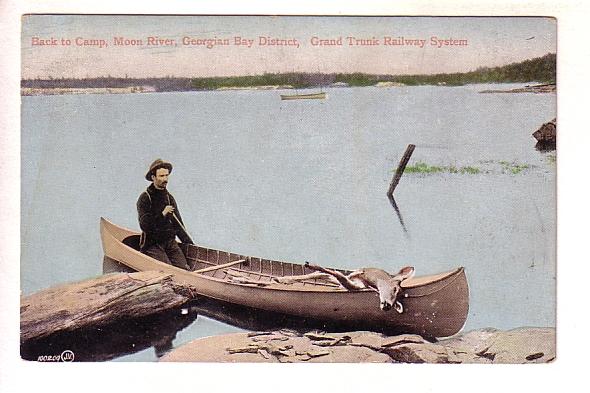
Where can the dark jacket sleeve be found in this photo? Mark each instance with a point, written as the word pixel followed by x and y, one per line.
pixel 148 221
pixel 182 235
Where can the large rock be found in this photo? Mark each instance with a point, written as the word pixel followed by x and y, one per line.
pixel 547 133
pixel 521 345
pixel 524 345
pixel 274 347
pixel 467 347
pixel 421 353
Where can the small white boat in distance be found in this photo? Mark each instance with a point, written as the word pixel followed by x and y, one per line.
pixel 312 96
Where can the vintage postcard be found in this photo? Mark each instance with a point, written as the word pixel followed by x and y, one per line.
pixel 293 189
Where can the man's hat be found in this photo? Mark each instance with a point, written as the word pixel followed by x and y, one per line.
pixel 159 163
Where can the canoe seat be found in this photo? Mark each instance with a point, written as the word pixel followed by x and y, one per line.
pixel 132 241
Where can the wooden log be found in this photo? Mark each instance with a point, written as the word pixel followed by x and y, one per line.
pixel 400 169
pixel 98 301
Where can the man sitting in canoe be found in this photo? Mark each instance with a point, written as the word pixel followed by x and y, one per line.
pixel 160 219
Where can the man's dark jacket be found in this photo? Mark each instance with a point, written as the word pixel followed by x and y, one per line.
pixel 157 228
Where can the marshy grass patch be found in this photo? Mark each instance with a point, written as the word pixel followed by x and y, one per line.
pixel 487 167
pixel 513 167
pixel 470 170
pixel 424 168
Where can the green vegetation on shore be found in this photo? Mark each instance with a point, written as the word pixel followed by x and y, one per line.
pixel 295 80
pixel 540 69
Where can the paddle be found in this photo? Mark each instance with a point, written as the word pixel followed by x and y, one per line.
pixel 182 227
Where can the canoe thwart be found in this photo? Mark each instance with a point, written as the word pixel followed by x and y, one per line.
pixel 222 266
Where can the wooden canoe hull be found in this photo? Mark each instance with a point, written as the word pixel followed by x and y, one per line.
pixel 434 306
pixel 312 96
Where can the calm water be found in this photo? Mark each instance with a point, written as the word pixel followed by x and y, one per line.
pixel 304 180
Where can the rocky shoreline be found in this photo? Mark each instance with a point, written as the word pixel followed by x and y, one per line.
pixel 544 88
pixel 29 91
pixel 58 91
pixel 265 87
pixel 517 346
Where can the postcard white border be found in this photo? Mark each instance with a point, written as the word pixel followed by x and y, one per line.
pixel 573 66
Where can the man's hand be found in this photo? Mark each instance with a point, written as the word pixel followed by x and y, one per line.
pixel 168 209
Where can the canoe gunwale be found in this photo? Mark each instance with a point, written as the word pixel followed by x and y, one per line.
pixel 451 278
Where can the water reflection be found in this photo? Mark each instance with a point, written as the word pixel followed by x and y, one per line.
pixel 258 320
pixel 545 146
pixel 398 212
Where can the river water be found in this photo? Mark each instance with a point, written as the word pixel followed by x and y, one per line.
pixel 305 180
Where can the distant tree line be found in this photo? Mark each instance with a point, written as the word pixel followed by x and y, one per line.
pixel 540 69
pixel 159 84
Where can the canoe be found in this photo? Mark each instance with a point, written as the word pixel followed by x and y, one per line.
pixel 311 96
pixel 434 306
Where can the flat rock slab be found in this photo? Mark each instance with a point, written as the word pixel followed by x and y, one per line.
pixel 98 301
pixel 523 345
pixel 240 347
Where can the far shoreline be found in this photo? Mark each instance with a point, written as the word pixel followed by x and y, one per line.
pixel 49 91
pixel 540 70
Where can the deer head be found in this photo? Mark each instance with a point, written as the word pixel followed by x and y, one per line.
pixel 390 289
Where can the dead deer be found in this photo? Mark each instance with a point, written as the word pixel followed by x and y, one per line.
pixel 388 286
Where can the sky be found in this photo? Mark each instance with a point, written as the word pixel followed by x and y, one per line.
pixel 487 42
pixel 93 51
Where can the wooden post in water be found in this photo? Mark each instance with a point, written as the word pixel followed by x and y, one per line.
pixel 400 169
